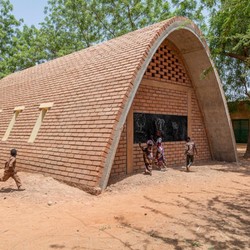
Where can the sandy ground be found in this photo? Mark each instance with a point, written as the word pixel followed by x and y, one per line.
pixel 207 208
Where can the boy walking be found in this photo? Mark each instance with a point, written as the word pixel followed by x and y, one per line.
pixel 10 169
pixel 190 149
pixel 148 156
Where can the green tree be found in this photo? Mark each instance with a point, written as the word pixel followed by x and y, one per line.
pixel 195 10
pixel 29 48
pixel 122 16
pixel 71 25
pixel 9 26
pixel 21 46
pixel 229 39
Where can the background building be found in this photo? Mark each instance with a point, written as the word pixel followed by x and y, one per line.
pixel 240 116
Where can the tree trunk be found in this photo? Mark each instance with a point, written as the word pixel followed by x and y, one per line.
pixel 247 154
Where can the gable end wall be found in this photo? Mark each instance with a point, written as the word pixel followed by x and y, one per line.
pixel 166 89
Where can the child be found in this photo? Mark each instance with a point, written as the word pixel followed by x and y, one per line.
pixel 148 156
pixel 10 169
pixel 160 158
pixel 189 152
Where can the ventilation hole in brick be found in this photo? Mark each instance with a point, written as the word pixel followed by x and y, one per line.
pixel 166 65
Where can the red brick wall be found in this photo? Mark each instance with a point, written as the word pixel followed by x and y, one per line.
pixel 120 161
pixel 61 149
pixel 166 68
pixel 161 101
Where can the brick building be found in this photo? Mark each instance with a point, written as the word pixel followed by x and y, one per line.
pixel 78 118
pixel 240 117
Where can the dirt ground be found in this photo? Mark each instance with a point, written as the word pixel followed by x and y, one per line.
pixel 207 208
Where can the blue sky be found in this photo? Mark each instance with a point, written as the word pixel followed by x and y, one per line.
pixel 30 10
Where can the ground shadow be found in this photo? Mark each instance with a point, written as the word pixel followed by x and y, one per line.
pixel 225 224
pixel 115 179
pixel 227 215
pixel 57 246
pixel 242 167
pixel 152 233
pixel 8 190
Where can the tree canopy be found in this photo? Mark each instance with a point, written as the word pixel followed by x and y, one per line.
pixel 8 38
pixel 229 40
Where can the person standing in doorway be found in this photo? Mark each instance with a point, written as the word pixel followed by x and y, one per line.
pixel 190 149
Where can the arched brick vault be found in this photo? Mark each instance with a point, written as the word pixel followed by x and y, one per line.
pixel 188 39
pixel 92 92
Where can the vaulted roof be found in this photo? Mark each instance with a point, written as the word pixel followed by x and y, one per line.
pixel 92 91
